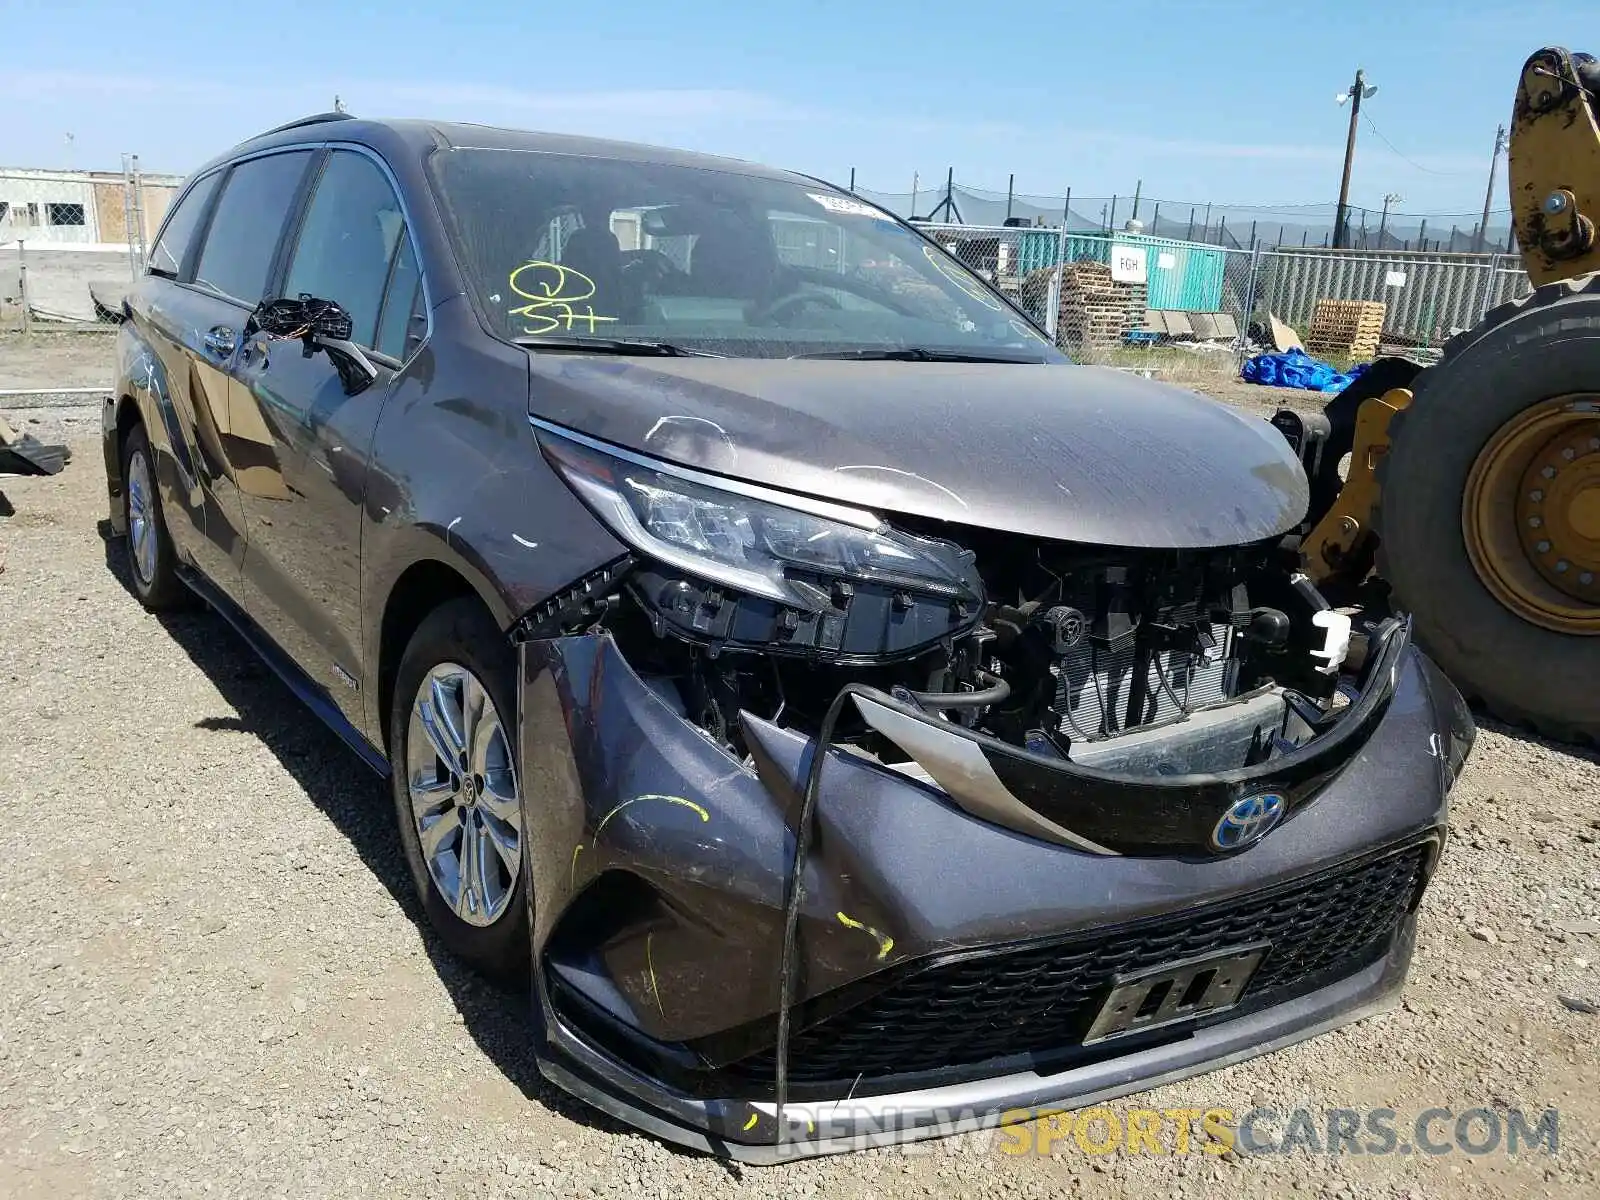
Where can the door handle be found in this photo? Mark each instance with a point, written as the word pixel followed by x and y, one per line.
pixel 220 340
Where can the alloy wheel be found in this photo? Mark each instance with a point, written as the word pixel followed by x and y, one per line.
pixel 141 517
pixel 463 792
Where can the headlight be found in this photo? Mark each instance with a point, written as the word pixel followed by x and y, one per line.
pixel 753 539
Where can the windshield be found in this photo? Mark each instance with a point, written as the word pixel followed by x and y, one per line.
pixel 563 247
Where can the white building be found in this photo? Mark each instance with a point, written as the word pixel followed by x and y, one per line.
pixel 78 208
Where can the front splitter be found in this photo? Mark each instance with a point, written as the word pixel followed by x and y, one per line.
pixel 832 1127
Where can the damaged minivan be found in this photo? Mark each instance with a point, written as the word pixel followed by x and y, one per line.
pixel 852 720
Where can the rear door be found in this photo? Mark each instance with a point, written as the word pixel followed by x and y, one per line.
pixel 302 566
pixel 199 324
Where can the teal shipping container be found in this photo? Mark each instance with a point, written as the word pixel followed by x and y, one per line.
pixel 1182 275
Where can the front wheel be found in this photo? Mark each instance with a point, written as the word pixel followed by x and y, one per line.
pixel 1490 529
pixel 454 777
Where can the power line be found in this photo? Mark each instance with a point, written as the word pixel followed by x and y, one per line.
pixel 1398 154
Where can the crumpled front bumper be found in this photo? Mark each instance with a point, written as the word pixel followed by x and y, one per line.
pixel 660 863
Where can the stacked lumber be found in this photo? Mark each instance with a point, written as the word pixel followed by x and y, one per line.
pixel 1346 328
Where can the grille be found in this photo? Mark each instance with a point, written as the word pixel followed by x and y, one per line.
pixel 1041 999
pixel 1092 683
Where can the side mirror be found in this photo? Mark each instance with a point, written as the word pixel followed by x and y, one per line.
pixel 319 324
pixel 302 317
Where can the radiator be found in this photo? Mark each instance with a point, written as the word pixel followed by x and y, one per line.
pixel 1092 684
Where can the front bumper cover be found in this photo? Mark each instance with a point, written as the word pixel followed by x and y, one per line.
pixel 659 868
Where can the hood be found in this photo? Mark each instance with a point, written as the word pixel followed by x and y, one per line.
pixel 1083 454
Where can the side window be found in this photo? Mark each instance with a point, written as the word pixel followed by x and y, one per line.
pixel 403 318
pixel 237 256
pixel 348 241
pixel 170 249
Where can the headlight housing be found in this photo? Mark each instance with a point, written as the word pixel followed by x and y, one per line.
pixel 766 543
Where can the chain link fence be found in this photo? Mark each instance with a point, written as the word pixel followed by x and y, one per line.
pixel 1180 309
pixel 1427 297
pixel 73 242
pixel 1240 226
pixel 1189 311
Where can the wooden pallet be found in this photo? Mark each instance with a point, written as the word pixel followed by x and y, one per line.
pixel 1346 328
pixel 1097 311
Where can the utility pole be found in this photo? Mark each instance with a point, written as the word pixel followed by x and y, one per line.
pixel 1383 221
pixel 1358 92
pixel 1488 195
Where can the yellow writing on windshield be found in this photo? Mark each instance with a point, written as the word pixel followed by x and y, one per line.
pixel 556 298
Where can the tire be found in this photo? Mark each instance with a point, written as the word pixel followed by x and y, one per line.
pixel 152 560
pixel 1544 346
pixel 483 923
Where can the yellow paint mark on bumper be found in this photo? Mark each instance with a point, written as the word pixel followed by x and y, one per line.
pixel 885 943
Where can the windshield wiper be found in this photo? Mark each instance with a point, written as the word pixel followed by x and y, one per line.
pixel 639 346
pixel 919 354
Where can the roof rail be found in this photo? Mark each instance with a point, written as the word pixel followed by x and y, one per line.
pixel 315 119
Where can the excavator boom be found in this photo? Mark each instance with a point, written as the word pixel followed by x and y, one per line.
pixel 1555 165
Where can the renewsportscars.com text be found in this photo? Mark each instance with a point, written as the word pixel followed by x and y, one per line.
pixel 1262 1130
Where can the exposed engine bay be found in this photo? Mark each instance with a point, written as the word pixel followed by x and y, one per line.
pixel 1087 655
pixel 1142 662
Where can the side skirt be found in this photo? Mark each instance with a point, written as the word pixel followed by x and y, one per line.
pixel 309 693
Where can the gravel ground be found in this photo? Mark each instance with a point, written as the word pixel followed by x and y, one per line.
pixel 57 360
pixel 217 985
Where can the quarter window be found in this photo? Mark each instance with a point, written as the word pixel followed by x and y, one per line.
pixel 237 257
pixel 173 244
pixel 403 316
pixel 348 242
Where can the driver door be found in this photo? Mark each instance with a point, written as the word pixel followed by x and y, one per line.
pixel 302 564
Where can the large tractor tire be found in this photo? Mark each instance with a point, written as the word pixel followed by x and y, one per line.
pixel 1490 521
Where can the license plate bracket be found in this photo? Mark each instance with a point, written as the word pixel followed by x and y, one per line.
pixel 1176 991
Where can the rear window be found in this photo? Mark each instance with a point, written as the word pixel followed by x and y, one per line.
pixel 237 257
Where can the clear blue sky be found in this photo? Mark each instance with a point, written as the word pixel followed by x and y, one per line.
pixel 1218 100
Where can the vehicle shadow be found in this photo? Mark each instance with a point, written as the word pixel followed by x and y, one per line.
pixel 359 805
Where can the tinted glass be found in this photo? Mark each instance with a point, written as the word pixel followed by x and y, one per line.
pixel 167 257
pixel 402 308
pixel 347 241
pixel 741 265
pixel 244 232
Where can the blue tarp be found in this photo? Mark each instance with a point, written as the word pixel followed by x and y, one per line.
pixel 1297 369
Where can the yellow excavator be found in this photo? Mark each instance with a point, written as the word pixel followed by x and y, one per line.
pixel 1472 494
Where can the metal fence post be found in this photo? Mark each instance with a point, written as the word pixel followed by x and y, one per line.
pixel 1243 342
pixel 22 286
pixel 1488 288
pixel 127 218
pixel 1052 316
pixel 138 212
